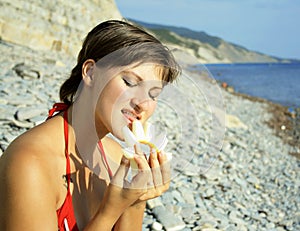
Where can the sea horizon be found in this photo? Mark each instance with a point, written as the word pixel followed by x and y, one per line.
pixel 276 82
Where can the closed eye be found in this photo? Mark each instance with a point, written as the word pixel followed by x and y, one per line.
pixel 154 93
pixel 128 82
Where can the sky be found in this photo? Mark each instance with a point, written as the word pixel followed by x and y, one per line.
pixel 271 27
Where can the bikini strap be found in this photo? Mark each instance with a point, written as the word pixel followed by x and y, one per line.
pixel 66 134
pixel 105 159
pixel 57 107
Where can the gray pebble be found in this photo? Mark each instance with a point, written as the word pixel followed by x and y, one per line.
pixel 250 183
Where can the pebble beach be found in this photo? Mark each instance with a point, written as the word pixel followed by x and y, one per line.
pixel 251 183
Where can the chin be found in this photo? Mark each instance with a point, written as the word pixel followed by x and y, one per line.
pixel 117 132
pixel 116 125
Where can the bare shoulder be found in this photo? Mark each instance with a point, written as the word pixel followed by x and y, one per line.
pixel 38 148
pixel 27 173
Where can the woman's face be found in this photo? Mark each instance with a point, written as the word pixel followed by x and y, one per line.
pixel 128 96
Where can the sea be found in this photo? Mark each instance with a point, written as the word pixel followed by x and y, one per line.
pixel 276 82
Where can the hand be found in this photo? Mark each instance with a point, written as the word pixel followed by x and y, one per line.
pixel 160 177
pixel 120 189
pixel 121 194
pixel 151 180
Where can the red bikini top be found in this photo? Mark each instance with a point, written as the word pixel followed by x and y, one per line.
pixel 65 214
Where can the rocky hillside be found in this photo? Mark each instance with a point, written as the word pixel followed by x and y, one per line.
pixel 205 48
pixel 58 24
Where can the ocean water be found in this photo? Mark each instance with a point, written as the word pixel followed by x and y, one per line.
pixel 276 82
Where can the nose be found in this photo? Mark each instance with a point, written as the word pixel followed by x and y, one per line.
pixel 141 100
pixel 140 105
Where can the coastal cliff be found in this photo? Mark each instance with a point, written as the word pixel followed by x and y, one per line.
pixel 52 25
pixel 61 26
pixel 199 47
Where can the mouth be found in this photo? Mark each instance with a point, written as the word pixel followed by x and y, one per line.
pixel 130 115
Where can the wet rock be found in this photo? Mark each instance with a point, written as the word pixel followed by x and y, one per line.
pixel 167 219
pixel 27 113
pixel 156 226
pixel 250 184
pixel 26 72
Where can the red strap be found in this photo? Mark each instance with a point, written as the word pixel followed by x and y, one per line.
pixel 105 159
pixel 65 214
pixel 68 168
pixel 57 107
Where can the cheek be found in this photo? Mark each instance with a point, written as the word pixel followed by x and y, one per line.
pixel 113 95
pixel 152 107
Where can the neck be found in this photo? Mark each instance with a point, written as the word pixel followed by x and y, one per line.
pixel 82 120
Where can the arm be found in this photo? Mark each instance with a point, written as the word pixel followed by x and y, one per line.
pixel 135 211
pixel 26 195
pixel 123 204
pixel 120 198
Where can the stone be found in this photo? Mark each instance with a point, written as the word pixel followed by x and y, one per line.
pixel 22 124
pixel 27 113
pixel 152 203
pixel 156 226
pixel 9 137
pixel 213 174
pixel 251 184
pixel 209 193
pixel 26 72
pixel 167 219
pixel 177 196
pixel 234 122
pixel 187 212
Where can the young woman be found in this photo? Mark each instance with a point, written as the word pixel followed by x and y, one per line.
pixel 66 174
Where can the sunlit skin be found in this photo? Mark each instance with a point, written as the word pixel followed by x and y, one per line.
pixel 35 163
pixel 129 96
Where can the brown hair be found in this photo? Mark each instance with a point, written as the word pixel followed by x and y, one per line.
pixel 133 44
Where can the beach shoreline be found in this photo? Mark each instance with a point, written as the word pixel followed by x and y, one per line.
pixel 252 184
pixel 285 124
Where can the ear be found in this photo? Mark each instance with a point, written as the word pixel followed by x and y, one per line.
pixel 88 68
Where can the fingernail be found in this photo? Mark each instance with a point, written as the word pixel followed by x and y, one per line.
pixel 154 154
pixel 161 155
pixel 137 156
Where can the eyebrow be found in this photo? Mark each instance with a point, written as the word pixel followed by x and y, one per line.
pixel 134 74
pixel 138 77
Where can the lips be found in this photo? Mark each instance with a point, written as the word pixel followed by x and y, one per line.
pixel 130 115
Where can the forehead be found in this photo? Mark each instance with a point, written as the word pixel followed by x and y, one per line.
pixel 146 71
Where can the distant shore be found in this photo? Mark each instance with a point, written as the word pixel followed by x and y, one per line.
pixel 285 124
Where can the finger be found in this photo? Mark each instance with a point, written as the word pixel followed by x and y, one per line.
pixel 138 150
pixel 141 162
pixel 124 162
pixel 150 194
pixel 165 167
pixel 153 159
pixel 162 157
pixel 155 168
pixel 154 192
pixel 140 180
pixel 121 172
